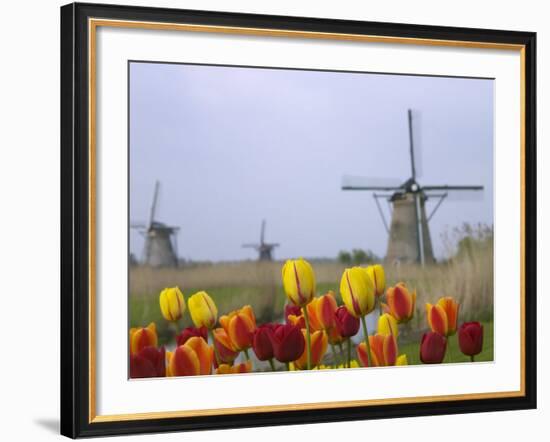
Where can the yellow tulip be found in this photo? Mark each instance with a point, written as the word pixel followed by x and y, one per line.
pixel 172 304
pixel 203 310
pixel 298 281
pixel 357 290
pixel 376 273
pixel 387 325
pixel 402 360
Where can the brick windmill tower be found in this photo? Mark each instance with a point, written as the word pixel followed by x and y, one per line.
pixel 408 232
pixel 160 248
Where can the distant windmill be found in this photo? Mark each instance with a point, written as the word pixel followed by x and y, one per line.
pixel 264 249
pixel 160 248
pixel 409 234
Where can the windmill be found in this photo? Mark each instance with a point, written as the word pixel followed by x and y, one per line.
pixel 264 249
pixel 160 248
pixel 409 234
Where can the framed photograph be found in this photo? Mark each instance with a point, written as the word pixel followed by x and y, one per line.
pixel 273 220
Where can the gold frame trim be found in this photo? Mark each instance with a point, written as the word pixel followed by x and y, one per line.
pixel 93 24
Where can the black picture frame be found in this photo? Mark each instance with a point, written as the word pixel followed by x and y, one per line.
pixel 75 195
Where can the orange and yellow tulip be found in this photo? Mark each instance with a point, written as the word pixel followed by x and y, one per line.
pixel 203 310
pixel 357 290
pixel 225 350
pixel 240 325
pixel 451 309
pixel 298 281
pixel 376 273
pixel 204 352
pixel 324 309
pixel 387 325
pixel 143 337
pixel 184 361
pixel 243 367
pixel 172 304
pixel 319 342
pixel 442 317
pixel 383 351
pixel 400 303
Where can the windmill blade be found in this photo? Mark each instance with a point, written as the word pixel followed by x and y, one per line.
pixel 154 205
pixel 459 195
pixel 272 244
pixel 411 144
pixel 419 230
pixel 415 141
pixel 445 187
pixel 251 246
pixel 351 182
pixel 262 232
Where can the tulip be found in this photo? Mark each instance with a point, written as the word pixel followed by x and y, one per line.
pixel 470 338
pixel 319 341
pixel 262 345
pixel 311 308
pixel 244 367
pixel 298 281
pixel 288 343
pixel 383 351
pixel 451 310
pixel 401 303
pixel 346 324
pixel 376 273
pixel 357 290
pixel 149 362
pixel 240 325
pixel 203 310
pixel 204 353
pixel 297 320
pixel 189 332
pixel 325 308
pixel 299 286
pixel 387 325
pixel 143 337
pixel 402 360
pixel 334 337
pixel 432 348
pixel 291 309
pixel 224 350
pixel 172 304
pixel 442 316
pixel 184 362
pixel 437 319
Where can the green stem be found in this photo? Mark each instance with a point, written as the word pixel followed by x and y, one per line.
pixel 449 349
pixel 334 355
pixel 308 338
pixel 272 364
pixel 472 358
pixel 366 333
pixel 211 334
pixel 246 354
pixel 287 366
pixel 349 353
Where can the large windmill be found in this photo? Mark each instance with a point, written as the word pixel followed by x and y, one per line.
pixel 264 249
pixel 160 248
pixel 409 234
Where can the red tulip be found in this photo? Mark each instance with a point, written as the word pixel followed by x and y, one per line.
pixel 288 342
pixel 346 324
pixel 432 348
pixel 149 362
pixel 291 309
pixel 470 338
pixel 190 332
pixel 262 345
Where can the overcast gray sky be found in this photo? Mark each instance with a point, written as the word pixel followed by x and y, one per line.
pixel 232 146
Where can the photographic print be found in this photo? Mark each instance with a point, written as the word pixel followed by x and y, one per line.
pixel 288 219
